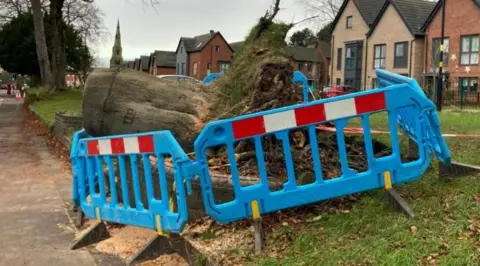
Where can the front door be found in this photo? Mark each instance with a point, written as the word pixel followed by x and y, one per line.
pixel 353 64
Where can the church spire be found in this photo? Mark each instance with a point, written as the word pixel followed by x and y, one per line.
pixel 117 60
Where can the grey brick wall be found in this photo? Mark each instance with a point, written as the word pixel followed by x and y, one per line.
pixel 65 125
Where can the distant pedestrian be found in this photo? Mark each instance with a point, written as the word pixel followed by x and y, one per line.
pixel 9 89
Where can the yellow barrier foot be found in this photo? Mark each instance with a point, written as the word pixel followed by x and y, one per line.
pixel 157 246
pixel 455 169
pixel 93 234
pixel 259 236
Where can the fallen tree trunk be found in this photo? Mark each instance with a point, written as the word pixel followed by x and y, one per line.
pixel 122 101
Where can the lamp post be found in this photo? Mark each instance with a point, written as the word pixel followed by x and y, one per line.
pixel 440 64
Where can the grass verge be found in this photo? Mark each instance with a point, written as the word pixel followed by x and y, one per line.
pixel 446 230
pixel 46 105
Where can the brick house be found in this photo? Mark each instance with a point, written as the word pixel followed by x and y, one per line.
pixel 163 63
pixel 461 53
pixel 203 54
pixel 396 41
pixel 349 34
pixel 311 61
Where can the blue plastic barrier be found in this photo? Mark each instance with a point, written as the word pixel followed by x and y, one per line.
pixel 399 97
pixel 407 116
pixel 211 77
pixel 90 157
pixel 299 77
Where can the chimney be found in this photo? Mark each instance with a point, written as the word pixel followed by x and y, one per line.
pixel 212 32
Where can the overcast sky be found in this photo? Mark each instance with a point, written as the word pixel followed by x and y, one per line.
pixel 144 29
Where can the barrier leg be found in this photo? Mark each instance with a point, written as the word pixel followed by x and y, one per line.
pixel 394 199
pixel 258 229
pixel 161 245
pixel 157 246
pixel 455 169
pixel 78 217
pixel 91 235
pixel 259 236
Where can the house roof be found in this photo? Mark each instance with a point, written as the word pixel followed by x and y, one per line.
pixel 197 43
pixel 326 48
pixel 432 15
pixel 144 62
pixel 236 45
pixel 165 58
pixel 298 53
pixel 414 13
pixel 303 53
pixel 368 9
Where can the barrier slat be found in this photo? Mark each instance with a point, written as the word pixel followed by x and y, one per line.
pixel 136 182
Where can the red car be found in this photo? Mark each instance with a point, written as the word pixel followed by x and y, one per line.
pixel 337 90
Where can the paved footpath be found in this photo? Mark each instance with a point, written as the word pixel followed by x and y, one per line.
pixel 34 225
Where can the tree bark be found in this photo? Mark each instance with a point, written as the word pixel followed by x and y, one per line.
pixel 41 44
pixel 58 43
pixel 123 101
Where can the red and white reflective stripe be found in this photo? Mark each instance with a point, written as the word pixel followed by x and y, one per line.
pixel 308 115
pixel 128 145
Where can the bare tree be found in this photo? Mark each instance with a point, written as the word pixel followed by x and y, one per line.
pixel 12 8
pixel 324 10
pixel 41 44
pixel 86 18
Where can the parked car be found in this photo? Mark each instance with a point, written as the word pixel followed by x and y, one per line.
pixel 179 78
pixel 337 90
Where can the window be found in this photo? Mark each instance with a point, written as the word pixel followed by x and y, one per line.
pixel 181 49
pixel 338 81
pixel 339 59
pixel 178 69
pixel 217 48
pixel 401 55
pixel 469 50
pixel 194 68
pixel 350 58
pixel 224 66
pixel 436 51
pixel 300 66
pixel 183 68
pixel 468 84
pixel 349 22
pixel 380 52
pixel 309 66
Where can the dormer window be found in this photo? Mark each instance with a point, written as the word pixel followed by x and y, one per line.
pixel 349 22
